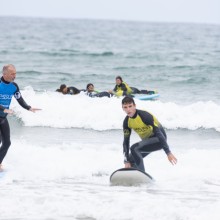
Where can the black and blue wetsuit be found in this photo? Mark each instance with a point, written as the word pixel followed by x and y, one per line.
pixel 150 131
pixel 7 91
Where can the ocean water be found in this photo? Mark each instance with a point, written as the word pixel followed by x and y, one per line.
pixel 61 158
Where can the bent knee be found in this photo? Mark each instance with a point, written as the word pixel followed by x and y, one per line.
pixel 134 148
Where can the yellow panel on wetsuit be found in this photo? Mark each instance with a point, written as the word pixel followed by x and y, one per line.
pixel 119 93
pixel 143 130
pixel 120 90
pixel 129 90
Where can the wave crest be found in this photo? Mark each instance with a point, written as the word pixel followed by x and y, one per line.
pixel 81 111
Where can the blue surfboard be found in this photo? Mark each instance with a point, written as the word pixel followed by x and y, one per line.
pixel 147 97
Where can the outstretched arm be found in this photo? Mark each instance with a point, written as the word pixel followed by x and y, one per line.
pixel 21 101
pixel 150 120
pixel 24 105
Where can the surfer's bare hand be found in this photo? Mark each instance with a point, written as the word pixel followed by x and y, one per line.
pixel 8 111
pixel 172 158
pixel 34 109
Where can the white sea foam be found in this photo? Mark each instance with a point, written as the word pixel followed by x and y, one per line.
pixel 72 181
pixel 80 111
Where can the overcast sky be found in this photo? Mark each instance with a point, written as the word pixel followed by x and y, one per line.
pixel 202 11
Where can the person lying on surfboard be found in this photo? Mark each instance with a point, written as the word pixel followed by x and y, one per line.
pixel 91 92
pixel 68 90
pixel 123 89
pixel 151 132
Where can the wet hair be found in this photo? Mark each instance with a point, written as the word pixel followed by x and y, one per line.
pixel 127 100
pixel 6 67
pixel 88 85
pixel 119 77
pixel 62 86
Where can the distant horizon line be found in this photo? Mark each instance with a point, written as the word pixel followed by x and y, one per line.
pixel 108 19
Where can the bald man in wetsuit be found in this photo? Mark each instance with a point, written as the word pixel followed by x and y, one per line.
pixel 8 89
pixel 149 130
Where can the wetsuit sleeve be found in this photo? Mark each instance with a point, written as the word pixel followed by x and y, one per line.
pixel 148 119
pixel 20 99
pixel 115 89
pixel 123 87
pixel 126 142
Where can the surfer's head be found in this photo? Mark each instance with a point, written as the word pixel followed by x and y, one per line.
pixel 90 87
pixel 129 106
pixel 9 72
pixel 127 100
pixel 63 89
pixel 118 80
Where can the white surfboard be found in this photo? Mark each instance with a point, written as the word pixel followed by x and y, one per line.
pixel 129 177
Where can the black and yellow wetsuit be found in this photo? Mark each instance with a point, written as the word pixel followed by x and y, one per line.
pixel 150 131
pixel 122 89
